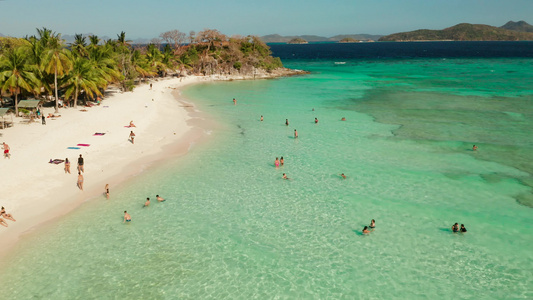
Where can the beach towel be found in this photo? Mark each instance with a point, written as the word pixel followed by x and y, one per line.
pixel 73 147
pixel 83 145
pixel 99 133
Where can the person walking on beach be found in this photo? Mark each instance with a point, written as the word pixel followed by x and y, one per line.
pixel 6 150
pixel 150 85
pixel 132 136
pixel 67 166
pixel 107 191
pixel 276 162
pixel 147 203
pixel 295 134
pixel 159 198
pixel 43 118
pixel 80 164
pixel 127 217
pixel 80 181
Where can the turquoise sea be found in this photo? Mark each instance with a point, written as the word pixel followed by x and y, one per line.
pixel 232 228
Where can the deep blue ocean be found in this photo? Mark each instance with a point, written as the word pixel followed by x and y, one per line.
pixel 403 50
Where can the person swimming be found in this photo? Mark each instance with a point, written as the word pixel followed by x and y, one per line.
pixel 147 203
pixel 373 224
pixel 365 230
pixel 343 176
pixel 455 227
pixel 463 229
pixel 285 176
pixel 159 198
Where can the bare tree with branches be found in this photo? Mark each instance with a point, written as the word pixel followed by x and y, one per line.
pixel 175 38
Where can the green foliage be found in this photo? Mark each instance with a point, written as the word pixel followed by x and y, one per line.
pixel 237 65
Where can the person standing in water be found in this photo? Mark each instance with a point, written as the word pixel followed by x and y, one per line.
pixel 127 217
pixel 372 224
pixel 474 148
pixel 281 161
pixel 286 122
pixel 463 229
pixel 147 203
pixel 316 121
pixel 365 230
pixel 455 228
pixel 261 118
pixel 107 191
pixel 295 134
pixel 234 101
pixel 276 162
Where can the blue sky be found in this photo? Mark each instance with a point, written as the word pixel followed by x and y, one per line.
pixel 149 18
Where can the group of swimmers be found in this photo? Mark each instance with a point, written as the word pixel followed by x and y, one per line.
pixel 455 228
pixel 127 216
pixel 370 228
pixel 6 216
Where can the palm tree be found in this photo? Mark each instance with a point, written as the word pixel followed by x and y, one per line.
pixel 79 47
pixel 83 77
pixel 16 73
pixel 56 61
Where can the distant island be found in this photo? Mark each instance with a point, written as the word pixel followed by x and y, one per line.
pixel 297 41
pixel 511 31
pixel 276 38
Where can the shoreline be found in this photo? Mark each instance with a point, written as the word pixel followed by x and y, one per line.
pixel 166 127
pixel 110 158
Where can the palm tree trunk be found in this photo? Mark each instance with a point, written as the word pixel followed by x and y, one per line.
pixel 76 98
pixel 16 105
pixel 55 86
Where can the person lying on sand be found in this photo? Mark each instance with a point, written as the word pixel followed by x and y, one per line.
pixel 3 223
pixel 131 124
pixel 4 214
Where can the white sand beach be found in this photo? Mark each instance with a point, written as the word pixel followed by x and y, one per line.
pixel 35 191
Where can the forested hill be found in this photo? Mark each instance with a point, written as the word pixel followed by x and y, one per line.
pixel 461 32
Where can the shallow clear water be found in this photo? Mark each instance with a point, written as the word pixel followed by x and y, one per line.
pixel 232 228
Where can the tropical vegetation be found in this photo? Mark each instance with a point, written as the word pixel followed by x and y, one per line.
pixel 44 66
